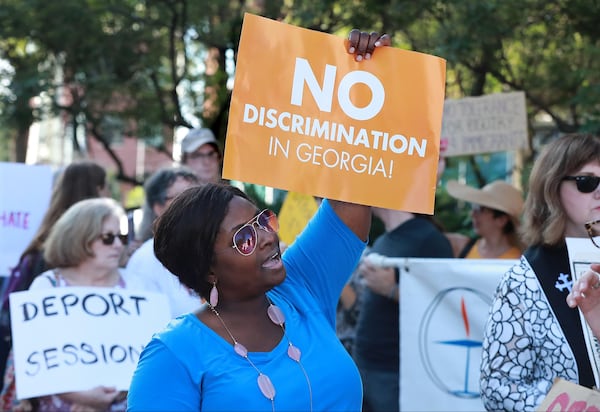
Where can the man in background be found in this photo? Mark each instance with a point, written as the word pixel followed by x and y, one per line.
pixel 201 153
pixel 161 189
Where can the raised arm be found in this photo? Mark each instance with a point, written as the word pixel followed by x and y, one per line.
pixel 356 217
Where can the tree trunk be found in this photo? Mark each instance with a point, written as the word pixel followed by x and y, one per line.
pixel 21 140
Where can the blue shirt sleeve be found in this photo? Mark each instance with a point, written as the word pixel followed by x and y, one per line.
pixel 322 259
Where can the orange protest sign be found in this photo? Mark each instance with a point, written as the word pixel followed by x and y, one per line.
pixel 306 117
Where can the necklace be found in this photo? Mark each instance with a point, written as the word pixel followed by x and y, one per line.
pixel 264 382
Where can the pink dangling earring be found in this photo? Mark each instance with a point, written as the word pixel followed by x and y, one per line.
pixel 214 296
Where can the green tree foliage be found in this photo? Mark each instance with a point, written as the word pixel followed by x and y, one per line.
pixel 141 68
pixel 548 49
pixel 118 67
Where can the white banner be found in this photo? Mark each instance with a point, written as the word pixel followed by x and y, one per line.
pixel 76 338
pixel 24 197
pixel 444 305
pixel 483 124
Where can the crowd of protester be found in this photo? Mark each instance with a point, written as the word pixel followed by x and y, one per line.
pixel 249 319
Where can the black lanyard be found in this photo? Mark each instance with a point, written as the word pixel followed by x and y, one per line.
pixel 552 269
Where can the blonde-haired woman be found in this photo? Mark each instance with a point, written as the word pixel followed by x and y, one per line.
pixel 85 246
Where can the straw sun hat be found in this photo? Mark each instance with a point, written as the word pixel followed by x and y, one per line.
pixel 497 195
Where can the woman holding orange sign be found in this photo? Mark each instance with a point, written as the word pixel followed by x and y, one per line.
pixel 265 340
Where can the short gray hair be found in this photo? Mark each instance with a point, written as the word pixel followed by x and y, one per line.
pixel 155 190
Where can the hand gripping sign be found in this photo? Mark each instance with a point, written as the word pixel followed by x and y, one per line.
pixel 306 117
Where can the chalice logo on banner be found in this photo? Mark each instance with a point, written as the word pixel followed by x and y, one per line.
pixel 450 347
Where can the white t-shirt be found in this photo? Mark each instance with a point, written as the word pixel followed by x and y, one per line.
pixel 144 265
pixel 48 279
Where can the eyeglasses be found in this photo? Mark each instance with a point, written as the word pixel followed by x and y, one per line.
pixel 109 238
pixel 246 237
pixel 593 229
pixel 585 184
pixel 198 155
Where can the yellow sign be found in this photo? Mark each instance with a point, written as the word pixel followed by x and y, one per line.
pixel 296 211
pixel 306 117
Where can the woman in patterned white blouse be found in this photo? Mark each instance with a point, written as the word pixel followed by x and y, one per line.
pixel 532 336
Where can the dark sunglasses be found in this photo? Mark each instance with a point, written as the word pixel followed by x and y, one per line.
pixel 246 237
pixel 593 229
pixel 109 238
pixel 585 184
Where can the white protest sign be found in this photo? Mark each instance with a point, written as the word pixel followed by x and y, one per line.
pixel 24 197
pixel 582 253
pixel 444 305
pixel 76 338
pixel 484 124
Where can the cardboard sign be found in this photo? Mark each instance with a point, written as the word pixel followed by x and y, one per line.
pixel 565 396
pixel 296 211
pixel 76 338
pixel 24 197
pixel 307 118
pixel 484 124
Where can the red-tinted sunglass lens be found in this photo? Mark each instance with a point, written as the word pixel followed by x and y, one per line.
pixel 245 240
pixel 268 221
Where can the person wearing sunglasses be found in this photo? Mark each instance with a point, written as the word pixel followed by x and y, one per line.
pixel 532 335
pixel 265 340
pixel 160 189
pixel 84 247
